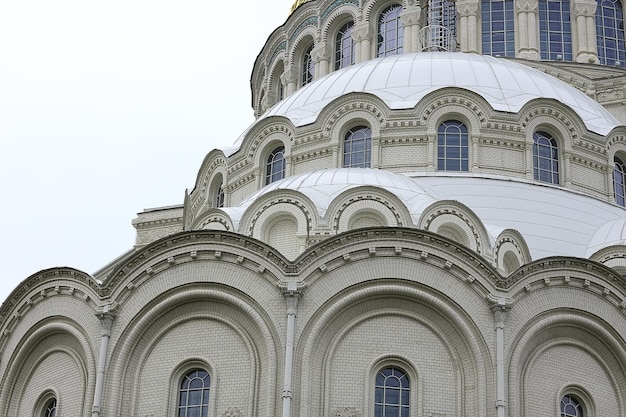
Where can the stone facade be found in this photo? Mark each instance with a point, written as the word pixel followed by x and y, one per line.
pixel 491 292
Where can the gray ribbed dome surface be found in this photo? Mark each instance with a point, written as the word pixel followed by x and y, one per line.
pixel 401 81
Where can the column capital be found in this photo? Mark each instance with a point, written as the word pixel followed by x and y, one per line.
pixel 527 5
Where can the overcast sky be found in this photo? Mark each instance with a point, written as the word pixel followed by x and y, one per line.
pixel 108 108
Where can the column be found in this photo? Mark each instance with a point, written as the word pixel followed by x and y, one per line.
pixel 411 26
pixel 586 47
pixel 468 30
pixel 500 310
pixel 106 321
pixel 526 30
pixel 292 295
pixel 321 55
pixel 362 35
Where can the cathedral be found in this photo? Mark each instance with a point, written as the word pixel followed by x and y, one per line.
pixel 425 219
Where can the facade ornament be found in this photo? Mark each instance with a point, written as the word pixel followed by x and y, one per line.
pixel 411 17
pixel 232 412
pixel 529 6
pixel 361 32
pixel 467 9
pixel 585 9
pixel 347 412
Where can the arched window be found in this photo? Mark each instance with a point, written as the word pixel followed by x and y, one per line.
pixel 357 148
pixel 452 146
pixel 610 32
pixel 308 66
pixel 219 196
pixel 545 158
pixel 193 398
pixel 571 407
pixel 50 408
pixel 497 28
pixel 555 30
pixel 275 169
pixel 619 182
pixel 391 393
pixel 344 46
pixel 390 32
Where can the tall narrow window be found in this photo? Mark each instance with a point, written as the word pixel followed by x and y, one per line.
pixel 275 169
pixel 193 398
pixel 555 30
pixel 610 33
pixel 344 46
pixel 391 393
pixel 50 409
pixel 219 196
pixel 545 158
pixel 571 407
pixel 619 182
pixel 498 36
pixel 357 148
pixel 442 25
pixel 308 67
pixel 452 146
pixel 390 32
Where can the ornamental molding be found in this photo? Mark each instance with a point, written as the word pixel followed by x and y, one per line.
pixel 585 9
pixel 232 412
pixel 372 197
pixel 312 155
pixel 442 98
pixel 551 113
pixel 528 6
pixel 281 48
pixel 446 209
pixel 347 412
pixel 410 17
pixel 352 107
pixel 334 5
pixel 279 200
pixel 466 9
pixel 308 22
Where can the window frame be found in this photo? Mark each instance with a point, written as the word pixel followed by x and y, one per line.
pixel 610 34
pixel 271 162
pixel 307 71
pixel 550 29
pixel 498 28
pixel 381 397
pixel 619 173
pixel 385 26
pixel 180 390
pixel 350 141
pixel 343 36
pixel 554 159
pixel 463 147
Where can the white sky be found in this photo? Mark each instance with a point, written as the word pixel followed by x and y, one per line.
pixel 108 108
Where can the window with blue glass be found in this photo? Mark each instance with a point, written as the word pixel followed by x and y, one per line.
pixel 571 407
pixel 498 36
pixel 308 66
pixel 610 33
pixel 357 148
pixel 193 395
pixel 555 30
pixel 344 46
pixel 391 393
pixel 545 158
pixel 452 146
pixel 619 181
pixel 390 32
pixel 442 24
pixel 275 168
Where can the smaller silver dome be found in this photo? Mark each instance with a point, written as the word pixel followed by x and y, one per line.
pixel 401 81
